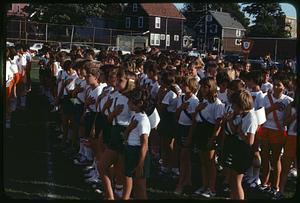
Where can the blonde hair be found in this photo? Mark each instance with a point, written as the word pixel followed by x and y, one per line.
pixel 242 99
pixel 212 84
pixel 130 77
pixel 192 83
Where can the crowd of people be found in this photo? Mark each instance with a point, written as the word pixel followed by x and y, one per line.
pixel 119 112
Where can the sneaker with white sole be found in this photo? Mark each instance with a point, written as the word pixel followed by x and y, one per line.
pixel 118 192
pixel 199 191
pixel 208 193
pixel 90 174
pixel 94 179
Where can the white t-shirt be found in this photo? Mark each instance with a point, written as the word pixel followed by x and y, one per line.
pixel 58 68
pixel 14 66
pixel 236 120
pixel 270 123
pixel 266 87
pixel 9 75
pixel 223 97
pixel 293 126
pixel 124 117
pixel 193 102
pixel 170 99
pixel 212 111
pixel 94 93
pixel 109 90
pixel 201 73
pixel 143 127
pixel 62 75
pixel 81 95
pixel 21 62
pixel 71 85
pixel 197 78
pixel 249 123
pixel 258 99
pixel 143 77
pixel 154 89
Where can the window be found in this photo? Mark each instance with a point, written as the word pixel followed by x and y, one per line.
pixel 176 38
pixel 134 7
pixel 208 18
pixel 238 33
pixel 162 36
pixel 168 41
pixel 157 22
pixel 154 39
pixel 127 22
pixel 213 28
pixel 238 42
pixel 141 22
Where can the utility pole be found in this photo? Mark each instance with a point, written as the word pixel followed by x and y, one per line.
pixel 205 32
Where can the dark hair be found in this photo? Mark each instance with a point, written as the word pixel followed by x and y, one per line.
pixel 282 77
pixel 222 77
pixel 211 83
pixel 256 76
pixel 141 97
pixel 243 99
pixel 67 65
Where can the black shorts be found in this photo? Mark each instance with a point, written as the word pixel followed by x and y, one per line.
pixel 238 155
pixel 98 124
pixel 201 135
pixel 116 141
pixel 131 160
pixel 68 106
pixel 106 130
pixel 167 125
pixel 78 111
pixel 183 133
pixel 88 123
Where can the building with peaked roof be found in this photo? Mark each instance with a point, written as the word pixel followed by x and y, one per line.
pixel 222 32
pixel 162 23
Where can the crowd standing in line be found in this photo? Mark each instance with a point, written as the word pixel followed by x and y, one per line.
pixel 120 111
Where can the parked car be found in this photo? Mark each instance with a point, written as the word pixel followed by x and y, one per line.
pixel 35 48
pixel 124 52
pixel 9 44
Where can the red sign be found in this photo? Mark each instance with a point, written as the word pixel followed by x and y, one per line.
pixel 247 45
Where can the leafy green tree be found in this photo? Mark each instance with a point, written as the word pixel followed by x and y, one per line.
pixel 269 20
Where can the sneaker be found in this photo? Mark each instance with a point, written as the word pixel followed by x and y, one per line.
pixel 278 196
pixel 98 191
pixel 208 193
pixel 81 161
pixel 264 188
pixel 118 192
pixel 89 168
pixel 60 136
pixel 199 191
pixel 226 187
pixel 292 173
pixel 93 180
pixel 90 174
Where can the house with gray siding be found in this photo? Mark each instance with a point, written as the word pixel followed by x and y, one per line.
pixel 223 32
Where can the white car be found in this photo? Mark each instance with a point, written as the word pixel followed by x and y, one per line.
pixel 34 49
pixel 10 44
pixel 124 52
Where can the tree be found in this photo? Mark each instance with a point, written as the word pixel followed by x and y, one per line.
pixel 192 12
pixel 75 14
pixel 269 20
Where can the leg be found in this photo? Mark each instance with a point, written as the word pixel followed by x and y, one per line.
pixel 127 188
pixel 212 170
pixel 265 161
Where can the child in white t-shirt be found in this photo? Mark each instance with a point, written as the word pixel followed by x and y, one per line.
pixel 186 106
pixel 137 157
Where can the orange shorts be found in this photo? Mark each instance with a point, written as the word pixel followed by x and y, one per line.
pixel 290 146
pixel 273 136
pixel 9 88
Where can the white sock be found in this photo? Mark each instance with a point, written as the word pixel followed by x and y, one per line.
pixel 13 104
pixel 249 174
pixel 81 148
pixel 89 153
pixel 23 101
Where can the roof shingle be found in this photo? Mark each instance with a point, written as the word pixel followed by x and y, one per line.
pixel 162 9
pixel 226 20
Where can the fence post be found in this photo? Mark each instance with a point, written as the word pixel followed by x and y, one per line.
pixel 94 36
pixel 275 50
pixel 110 37
pixel 46 32
pixel 20 30
pixel 72 34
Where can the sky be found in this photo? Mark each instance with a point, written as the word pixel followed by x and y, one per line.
pixel 287 8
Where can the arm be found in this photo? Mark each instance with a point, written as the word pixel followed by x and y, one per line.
pixel 144 148
pixel 289 118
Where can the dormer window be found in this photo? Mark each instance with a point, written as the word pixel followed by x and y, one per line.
pixel 134 7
